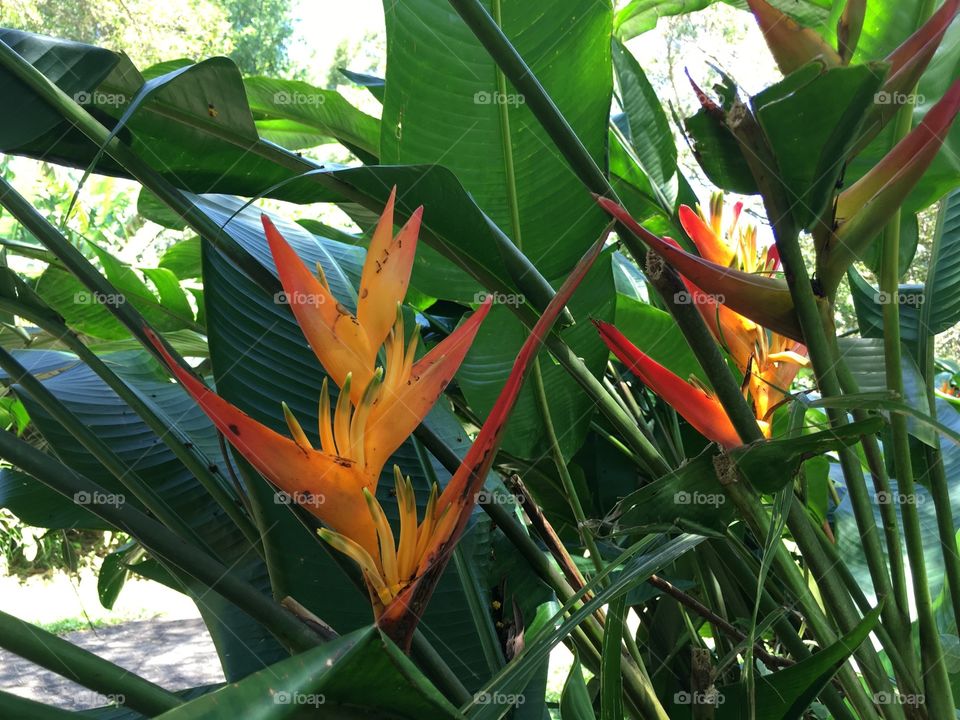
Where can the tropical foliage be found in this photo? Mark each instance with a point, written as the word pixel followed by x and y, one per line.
pixel 541 393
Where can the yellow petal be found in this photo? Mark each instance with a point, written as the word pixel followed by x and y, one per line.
pixel 388 547
pixel 407 505
pixel 299 436
pixel 327 486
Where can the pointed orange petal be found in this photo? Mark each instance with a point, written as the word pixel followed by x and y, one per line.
pixel 400 618
pixel 386 273
pixel 704 412
pixel 710 246
pixel 336 337
pixel 765 300
pixel 791 44
pixel 400 409
pixel 327 486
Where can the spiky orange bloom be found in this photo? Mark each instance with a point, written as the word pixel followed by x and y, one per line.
pixel 697 405
pixel 377 408
pixel 771 360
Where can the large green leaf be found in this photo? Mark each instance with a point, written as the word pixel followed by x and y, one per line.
pixel 657 334
pixel 811 120
pixel 298 115
pixel 649 131
pixel 195 128
pixel 488 137
pixel 359 675
pixel 865 359
pixel 849 542
pixel 941 309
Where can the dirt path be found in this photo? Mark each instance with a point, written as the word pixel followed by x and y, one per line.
pixel 177 654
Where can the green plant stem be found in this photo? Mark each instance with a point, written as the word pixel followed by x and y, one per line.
pixel 569 489
pixel 164 544
pixel 808 309
pixel 937 477
pixel 744 580
pixel 939 695
pixel 84 271
pixel 24 709
pixel 888 512
pixel 81 666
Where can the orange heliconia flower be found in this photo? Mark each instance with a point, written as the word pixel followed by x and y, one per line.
pixel 377 409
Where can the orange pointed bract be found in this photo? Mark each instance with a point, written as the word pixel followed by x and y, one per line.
pixel 339 342
pixel 702 410
pixel 710 246
pixel 377 409
pixel 386 273
pixel 328 486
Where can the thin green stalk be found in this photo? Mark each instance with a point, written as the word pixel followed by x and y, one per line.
pixel 164 544
pixel 939 695
pixel 888 511
pixel 24 709
pixel 744 579
pixel 569 489
pixel 83 667
pixel 808 309
pixel 84 271
pixel 937 477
